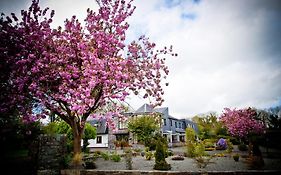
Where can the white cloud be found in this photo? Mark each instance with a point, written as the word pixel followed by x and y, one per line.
pixel 224 58
pixel 229 51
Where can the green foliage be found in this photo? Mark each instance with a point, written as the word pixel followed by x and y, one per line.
pixel 90 132
pixel 15 134
pixel 236 157
pixel 161 153
pixel 61 127
pixel 143 127
pixel 96 155
pixel 115 157
pixel 209 143
pixel 162 165
pixel 229 146
pixel 105 155
pixel 65 161
pixel 210 127
pixel 58 127
pixel 190 142
pixel 202 162
pixel 190 135
pixel 190 152
pixel 148 155
pixel 89 164
pixel 151 144
pixel 169 153
pixel 199 150
pixel 50 129
pixel 242 147
pixel 221 131
pixel 128 158
pixel 195 149
pixel 234 140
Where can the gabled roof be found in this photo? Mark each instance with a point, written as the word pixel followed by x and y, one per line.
pixel 100 124
pixel 171 117
pixel 145 108
pixel 161 110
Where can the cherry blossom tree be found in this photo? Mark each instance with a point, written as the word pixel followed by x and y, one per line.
pixel 241 122
pixel 75 70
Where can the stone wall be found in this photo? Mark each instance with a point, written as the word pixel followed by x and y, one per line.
pixel 51 151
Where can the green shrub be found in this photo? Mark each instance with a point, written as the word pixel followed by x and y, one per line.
pixel 242 147
pixel 138 150
pixel 98 152
pixel 229 146
pixel 115 157
pixel 209 145
pixel 199 150
pixel 190 152
pixel 151 144
pixel 89 164
pixel 202 161
pixel 190 135
pixel 95 155
pixel 128 158
pixel 234 141
pixel 160 154
pixel 105 155
pixel 236 157
pixel 162 165
pixel 195 149
pixel 65 161
pixel 169 153
pixel 148 155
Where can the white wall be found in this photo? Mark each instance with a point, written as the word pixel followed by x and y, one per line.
pixel 104 144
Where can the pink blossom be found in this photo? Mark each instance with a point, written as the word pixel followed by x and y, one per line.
pixel 241 122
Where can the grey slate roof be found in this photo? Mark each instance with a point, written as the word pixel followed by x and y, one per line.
pixel 101 125
pixel 145 108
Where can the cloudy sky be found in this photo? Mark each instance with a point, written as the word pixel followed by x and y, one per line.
pixel 229 50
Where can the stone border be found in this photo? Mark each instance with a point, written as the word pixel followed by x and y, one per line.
pixel 138 172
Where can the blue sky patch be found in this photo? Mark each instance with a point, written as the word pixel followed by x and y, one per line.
pixel 190 16
pixel 172 3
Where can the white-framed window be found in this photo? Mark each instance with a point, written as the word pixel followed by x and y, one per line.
pixel 122 124
pixel 164 121
pixel 99 139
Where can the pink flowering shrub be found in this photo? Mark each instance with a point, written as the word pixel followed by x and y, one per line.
pixel 241 122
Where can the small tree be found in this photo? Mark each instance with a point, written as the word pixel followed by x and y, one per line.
pixel 190 142
pixel 190 135
pixel 161 153
pixel 242 123
pixel 144 127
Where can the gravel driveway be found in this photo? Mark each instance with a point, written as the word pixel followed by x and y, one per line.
pixel 188 164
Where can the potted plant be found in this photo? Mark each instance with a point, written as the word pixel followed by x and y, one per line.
pixel 236 157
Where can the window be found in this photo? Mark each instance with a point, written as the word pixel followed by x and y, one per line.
pixel 99 139
pixel 176 124
pixel 171 122
pixel 122 124
pixel 164 122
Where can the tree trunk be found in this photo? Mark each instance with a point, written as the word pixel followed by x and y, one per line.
pixel 77 144
pixel 77 159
